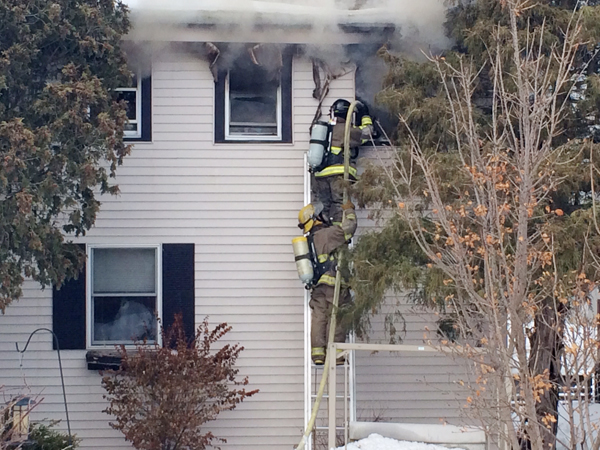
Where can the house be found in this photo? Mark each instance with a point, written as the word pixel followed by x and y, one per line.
pixel 219 118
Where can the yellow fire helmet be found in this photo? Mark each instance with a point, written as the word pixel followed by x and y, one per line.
pixel 309 216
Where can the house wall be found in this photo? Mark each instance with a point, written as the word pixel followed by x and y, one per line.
pixel 238 203
pixel 407 387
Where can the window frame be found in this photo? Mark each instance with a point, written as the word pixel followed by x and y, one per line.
pixel 143 109
pixel 251 137
pixel 138 109
pixel 89 293
pixel 284 109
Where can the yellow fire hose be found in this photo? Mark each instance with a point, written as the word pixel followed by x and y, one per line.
pixel 336 293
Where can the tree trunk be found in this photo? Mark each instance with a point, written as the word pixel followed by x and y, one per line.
pixel 546 348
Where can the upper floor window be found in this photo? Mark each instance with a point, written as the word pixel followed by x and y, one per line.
pixel 253 103
pixel 139 108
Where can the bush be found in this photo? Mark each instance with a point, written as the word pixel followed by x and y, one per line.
pixel 163 395
pixel 44 437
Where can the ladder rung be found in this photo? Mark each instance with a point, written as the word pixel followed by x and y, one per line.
pixel 327 396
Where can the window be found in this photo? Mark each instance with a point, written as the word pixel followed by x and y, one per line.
pixel 124 300
pixel 253 103
pixel 120 292
pixel 139 114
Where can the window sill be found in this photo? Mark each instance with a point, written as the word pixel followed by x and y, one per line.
pixel 252 141
pixel 136 139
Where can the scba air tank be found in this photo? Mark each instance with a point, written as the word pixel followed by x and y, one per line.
pixel 303 263
pixel 319 141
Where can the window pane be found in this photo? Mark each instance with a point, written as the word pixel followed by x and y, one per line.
pixel 130 97
pixel 130 127
pixel 124 270
pixel 252 101
pixel 124 319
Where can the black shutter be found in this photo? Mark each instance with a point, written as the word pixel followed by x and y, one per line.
pixel 178 285
pixel 68 313
pixel 220 106
pixel 286 96
pixel 146 109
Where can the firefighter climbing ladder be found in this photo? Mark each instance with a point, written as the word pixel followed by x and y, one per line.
pixel 330 356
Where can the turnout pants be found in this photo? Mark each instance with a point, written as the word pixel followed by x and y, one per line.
pixel 330 192
pixel 321 303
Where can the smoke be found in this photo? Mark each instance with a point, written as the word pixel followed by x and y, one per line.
pixel 340 33
pixel 416 24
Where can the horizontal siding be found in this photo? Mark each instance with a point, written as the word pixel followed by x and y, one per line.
pixel 238 203
pixel 408 387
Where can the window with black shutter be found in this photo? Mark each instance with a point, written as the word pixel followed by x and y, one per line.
pixel 118 296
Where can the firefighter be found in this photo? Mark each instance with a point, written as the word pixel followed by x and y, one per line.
pixel 328 183
pixel 327 239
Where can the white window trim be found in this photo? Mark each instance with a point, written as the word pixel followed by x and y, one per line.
pixel 88 293
pixel 138 108
pixel 251 137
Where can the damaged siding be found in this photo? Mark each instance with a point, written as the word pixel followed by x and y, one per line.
pixel 238 203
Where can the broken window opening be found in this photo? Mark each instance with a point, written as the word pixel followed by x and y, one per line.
pixel 252 103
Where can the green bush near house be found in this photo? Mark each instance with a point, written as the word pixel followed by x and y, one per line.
pixel 45 437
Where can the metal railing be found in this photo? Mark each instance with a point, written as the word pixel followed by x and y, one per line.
pixel 347 347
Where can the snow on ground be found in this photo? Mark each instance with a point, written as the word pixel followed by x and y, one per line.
pixel 377 442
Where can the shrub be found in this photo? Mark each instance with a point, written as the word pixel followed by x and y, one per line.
pixel 163 395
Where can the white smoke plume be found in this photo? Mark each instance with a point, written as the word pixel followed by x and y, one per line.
pixel 412 27
pixel 419 23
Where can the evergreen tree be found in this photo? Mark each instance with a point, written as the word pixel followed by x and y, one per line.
pixel 489 211
pixel 61 130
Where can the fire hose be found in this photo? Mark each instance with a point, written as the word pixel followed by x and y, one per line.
pixel 336 293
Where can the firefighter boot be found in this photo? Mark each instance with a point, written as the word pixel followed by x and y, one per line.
pixel 318 355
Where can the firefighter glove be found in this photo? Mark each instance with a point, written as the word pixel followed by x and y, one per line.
pixel 348 205
pixel 362 110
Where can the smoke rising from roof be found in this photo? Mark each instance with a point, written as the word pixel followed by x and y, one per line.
pixel 324 28
pixel 419 23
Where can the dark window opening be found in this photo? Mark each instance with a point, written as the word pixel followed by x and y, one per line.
pixel 253 103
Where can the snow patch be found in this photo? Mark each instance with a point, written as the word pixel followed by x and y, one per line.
pixel 378 442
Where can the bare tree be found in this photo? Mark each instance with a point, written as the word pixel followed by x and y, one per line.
pixel 482 215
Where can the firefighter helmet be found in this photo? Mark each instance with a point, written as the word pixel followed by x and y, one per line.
pixel 340 108
pixel 310 216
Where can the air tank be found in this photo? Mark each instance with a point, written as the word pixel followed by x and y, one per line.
pixel 303 262
pixel 318 144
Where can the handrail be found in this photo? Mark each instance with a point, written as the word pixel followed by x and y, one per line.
pixel 346 346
